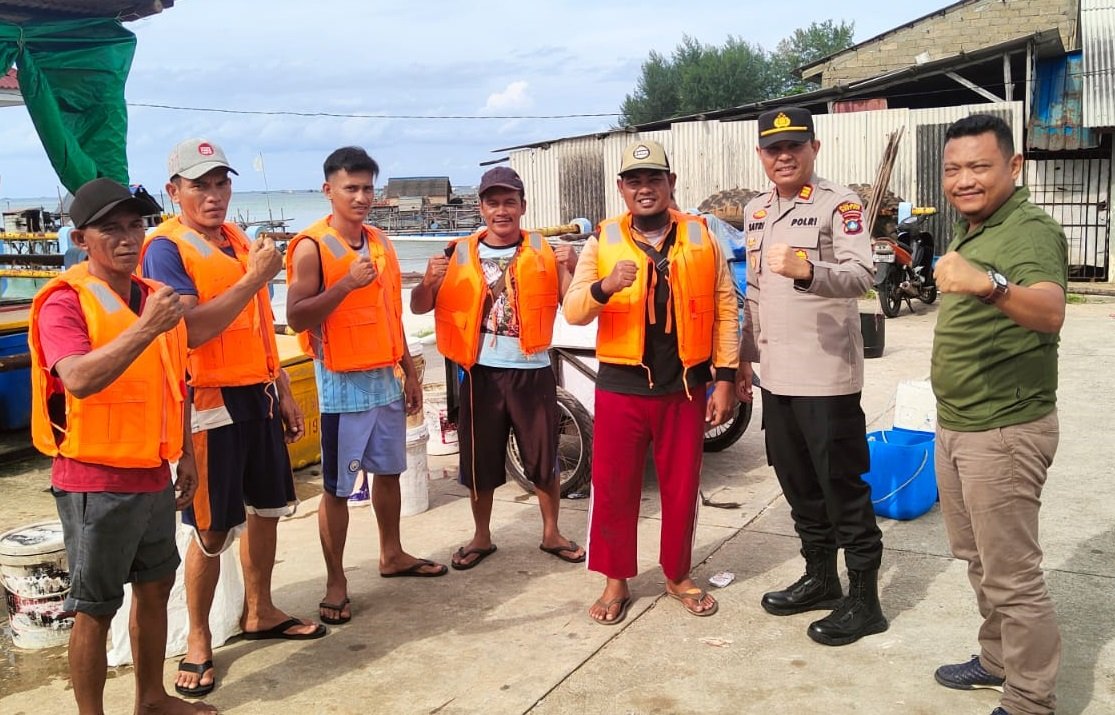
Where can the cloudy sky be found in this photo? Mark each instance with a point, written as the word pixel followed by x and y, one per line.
pixel 465 58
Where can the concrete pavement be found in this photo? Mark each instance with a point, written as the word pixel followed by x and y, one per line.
pixel 512 636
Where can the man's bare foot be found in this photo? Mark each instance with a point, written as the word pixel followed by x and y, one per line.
pixel 563 548
pixel 169 705
pixel 472 553
pixel 260 622
pixel 199 650
pixel 611 607
pixel 694 599
pixel 406 565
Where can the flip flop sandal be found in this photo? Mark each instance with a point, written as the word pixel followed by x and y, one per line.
pixel 560 551
pixel 623 601
pixel 338 607
pixel 698 595
pixel 416 571
pixel 198 691
pixel 462 554
pixel 279 632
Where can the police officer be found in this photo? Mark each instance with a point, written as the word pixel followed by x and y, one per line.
pixel 808 260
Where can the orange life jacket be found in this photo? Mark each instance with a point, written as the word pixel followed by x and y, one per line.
pixel 245 353
pixel 692 258
pixel 532 287
pixel 136 421
pixel 365 330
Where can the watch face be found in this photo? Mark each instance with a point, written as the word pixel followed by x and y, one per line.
pixel 1000 279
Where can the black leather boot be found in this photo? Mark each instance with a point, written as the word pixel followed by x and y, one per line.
pixel 858 615
pixel 817 590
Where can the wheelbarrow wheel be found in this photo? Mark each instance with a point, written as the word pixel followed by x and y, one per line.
pixel 719 438
pixel 574 448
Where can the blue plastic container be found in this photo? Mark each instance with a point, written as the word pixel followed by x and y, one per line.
pixel 15 386
pixel 903 479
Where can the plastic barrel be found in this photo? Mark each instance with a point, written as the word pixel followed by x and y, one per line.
pixel 36 576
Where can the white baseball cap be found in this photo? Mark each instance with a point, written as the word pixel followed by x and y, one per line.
pixel 192 158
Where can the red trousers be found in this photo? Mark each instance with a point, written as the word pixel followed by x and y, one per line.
pixel 625 425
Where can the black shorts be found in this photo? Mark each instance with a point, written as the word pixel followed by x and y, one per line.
pixel 503 399
pixel 241 466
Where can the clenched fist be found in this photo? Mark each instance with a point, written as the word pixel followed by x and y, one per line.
pixel 435 271
pixel 954 274
pixel 621 276
pixel 362 271
pixel 566 257
pixel 264 259
pixel 785 261
pixel 162 310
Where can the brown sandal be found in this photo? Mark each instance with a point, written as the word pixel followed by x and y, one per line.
pixel 698 595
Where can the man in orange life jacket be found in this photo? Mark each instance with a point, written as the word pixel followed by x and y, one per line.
pixel 109 403
pixel 495 299
pixel 659 287
pixel 243 407
pixel 344 295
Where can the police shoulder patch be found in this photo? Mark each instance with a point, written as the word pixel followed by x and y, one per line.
pixel 853 225
pixel 849 206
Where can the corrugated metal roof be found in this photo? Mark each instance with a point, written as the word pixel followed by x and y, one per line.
pixel 1097 24
pixel 19 11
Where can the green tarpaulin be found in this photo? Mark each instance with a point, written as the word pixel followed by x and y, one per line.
pixel 71 75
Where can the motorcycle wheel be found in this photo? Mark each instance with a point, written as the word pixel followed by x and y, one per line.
pixel 890 296
pixel 574 448
pixel 928 295
pixel 720 437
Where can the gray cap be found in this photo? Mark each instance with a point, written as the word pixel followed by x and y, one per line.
pixel 192 158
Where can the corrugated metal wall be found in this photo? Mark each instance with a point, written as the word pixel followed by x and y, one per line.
pixel 714 156
pixel 1097 31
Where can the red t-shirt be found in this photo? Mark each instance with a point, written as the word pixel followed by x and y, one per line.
pixel 63 332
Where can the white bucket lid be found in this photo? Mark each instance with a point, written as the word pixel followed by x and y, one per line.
pixel 418 434
pixel 43 537
pixel 414 347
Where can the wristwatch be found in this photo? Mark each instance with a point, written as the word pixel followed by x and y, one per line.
pixel 999 288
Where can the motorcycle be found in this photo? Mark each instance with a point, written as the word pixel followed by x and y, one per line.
pixel 904 265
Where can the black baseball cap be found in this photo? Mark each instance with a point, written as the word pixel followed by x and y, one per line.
pixel 793 124
pixel 503 177
pixel 97 198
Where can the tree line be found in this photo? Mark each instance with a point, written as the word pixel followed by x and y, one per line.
pixel 699 77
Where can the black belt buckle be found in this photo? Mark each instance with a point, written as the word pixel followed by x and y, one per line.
pixel 663 267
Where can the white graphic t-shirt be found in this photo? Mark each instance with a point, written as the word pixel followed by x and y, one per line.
pixel 499 334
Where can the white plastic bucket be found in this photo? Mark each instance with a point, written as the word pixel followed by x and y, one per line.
pixel 414 483
pixel 417 355
pixel 36 575
pixel 443 433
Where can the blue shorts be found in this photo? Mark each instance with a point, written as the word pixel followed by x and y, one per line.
pixel 373 440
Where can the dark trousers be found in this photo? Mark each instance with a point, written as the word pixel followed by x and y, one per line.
pixel 818 448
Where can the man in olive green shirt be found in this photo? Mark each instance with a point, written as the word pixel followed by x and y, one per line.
pixel 994 372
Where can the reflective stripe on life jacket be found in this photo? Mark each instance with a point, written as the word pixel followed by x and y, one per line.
pixel 245 353
pixel 135 421
pixel 365 331
pixel 692 264
pixel 532 288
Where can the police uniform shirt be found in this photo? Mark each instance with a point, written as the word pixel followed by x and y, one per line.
pixel 806 335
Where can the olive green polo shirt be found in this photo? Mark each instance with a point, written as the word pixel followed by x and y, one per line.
pixel 987 370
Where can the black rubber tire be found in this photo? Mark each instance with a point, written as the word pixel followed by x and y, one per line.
pixel 574 448
pixel 719 438
pixel 928 295
pixel 890 296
